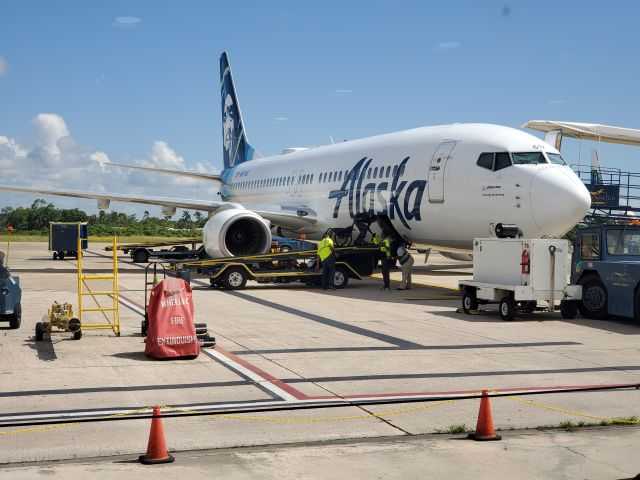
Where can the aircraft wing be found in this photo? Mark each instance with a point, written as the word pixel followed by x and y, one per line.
pixel 289 216
pixel 166 171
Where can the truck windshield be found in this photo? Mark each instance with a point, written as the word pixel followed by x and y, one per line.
pixel 623 242
pixel 528 158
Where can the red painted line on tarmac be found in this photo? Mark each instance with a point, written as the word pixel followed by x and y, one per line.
pixel 268 377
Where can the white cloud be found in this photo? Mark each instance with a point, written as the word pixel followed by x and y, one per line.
pixel 555 102
pixel 4 68
pixel 281 119
pixel 52 157
pixel 448 45
pixel 126 22
pixel 344 90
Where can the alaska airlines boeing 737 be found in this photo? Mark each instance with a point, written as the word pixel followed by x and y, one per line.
pixel 440 185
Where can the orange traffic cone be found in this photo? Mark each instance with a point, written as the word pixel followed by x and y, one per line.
pixel 484 428
pixel 156 450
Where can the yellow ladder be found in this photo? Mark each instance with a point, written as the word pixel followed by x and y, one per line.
pixel 113 320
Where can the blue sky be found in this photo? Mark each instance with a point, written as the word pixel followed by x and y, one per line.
pixel 137 81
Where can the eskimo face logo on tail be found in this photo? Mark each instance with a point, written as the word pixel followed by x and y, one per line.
pixel 403 200
pixel 228 126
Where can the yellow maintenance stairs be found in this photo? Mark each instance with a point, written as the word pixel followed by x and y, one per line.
pixel 105 300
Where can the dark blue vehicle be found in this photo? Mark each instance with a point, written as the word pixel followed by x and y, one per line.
pixel 286 245
pixel 10 296
pixel 606 262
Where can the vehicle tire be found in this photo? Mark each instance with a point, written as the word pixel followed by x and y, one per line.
pixel 77 335
pixel 594 298
pixel 341 278
pixel 140 255
pixel 568 309
pixel 285 249
pixel 39 331
pixel 143 328
pixel 507 309
pixel 61 255
pixel 469 300
pixel 636 311
pixel 342 237
pixel 16 317
pixel 235 278
pixel 55 255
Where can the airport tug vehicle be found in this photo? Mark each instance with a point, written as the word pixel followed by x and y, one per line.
pixel 61 317
pixel 10 296
pixel 606 262
pixel 517 273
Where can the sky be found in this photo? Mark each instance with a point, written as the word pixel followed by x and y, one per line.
pixel 84 83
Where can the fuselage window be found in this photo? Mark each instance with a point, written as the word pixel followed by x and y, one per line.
pixel 340 176
pixel 395 170
pixel 388 172
pixel 331 176
pixel 503 160
pixel 485 160
pixel 528 158
pixel 369 173
pixel 401 172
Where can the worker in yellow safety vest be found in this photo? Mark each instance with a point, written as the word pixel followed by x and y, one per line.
pixel 327 258
pixel 385 252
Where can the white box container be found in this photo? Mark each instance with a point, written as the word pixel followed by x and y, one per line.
pixel 498 261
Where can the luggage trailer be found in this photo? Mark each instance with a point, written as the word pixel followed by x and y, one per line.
pixel 232 273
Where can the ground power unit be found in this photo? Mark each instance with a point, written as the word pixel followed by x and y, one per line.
pixel 518 273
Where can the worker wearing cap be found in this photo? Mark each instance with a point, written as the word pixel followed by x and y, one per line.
pixel 406 264
pixel 327 258
pixel 385 253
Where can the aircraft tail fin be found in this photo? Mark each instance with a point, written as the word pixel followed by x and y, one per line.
pixel 236 149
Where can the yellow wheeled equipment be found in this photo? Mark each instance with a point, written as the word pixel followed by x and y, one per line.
pixel 60 317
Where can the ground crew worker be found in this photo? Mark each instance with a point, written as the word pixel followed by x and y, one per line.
pixel 385 253
pixel 327 258
pixel 374 239
pixel 406 264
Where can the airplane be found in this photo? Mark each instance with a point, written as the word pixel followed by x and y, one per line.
pixel 430 186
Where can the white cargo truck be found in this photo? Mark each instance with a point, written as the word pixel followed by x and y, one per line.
pixel 518 273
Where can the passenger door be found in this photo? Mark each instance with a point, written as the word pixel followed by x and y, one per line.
pixel 437 171
pixel 293 186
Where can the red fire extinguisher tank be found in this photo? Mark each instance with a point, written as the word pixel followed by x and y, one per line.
pixel 524 262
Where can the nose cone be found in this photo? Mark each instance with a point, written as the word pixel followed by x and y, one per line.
pixel 559 200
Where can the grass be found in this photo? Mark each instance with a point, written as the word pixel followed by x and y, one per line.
pixel 454 429
pixel 570 426
pixel 128 239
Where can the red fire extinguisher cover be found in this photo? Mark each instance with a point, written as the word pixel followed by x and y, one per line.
pixel 171 331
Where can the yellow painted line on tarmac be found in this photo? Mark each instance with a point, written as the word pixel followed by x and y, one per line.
pixel 414 282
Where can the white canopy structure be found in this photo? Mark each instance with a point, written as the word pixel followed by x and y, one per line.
pixel 585 131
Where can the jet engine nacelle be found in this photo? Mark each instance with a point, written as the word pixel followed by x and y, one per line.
pixel 236 232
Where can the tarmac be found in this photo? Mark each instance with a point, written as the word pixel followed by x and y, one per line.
pixel 292 344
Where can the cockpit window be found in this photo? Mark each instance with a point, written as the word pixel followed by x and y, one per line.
pixel 556 158
pixel 528 158
pixel 485 160
pixel 502 161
